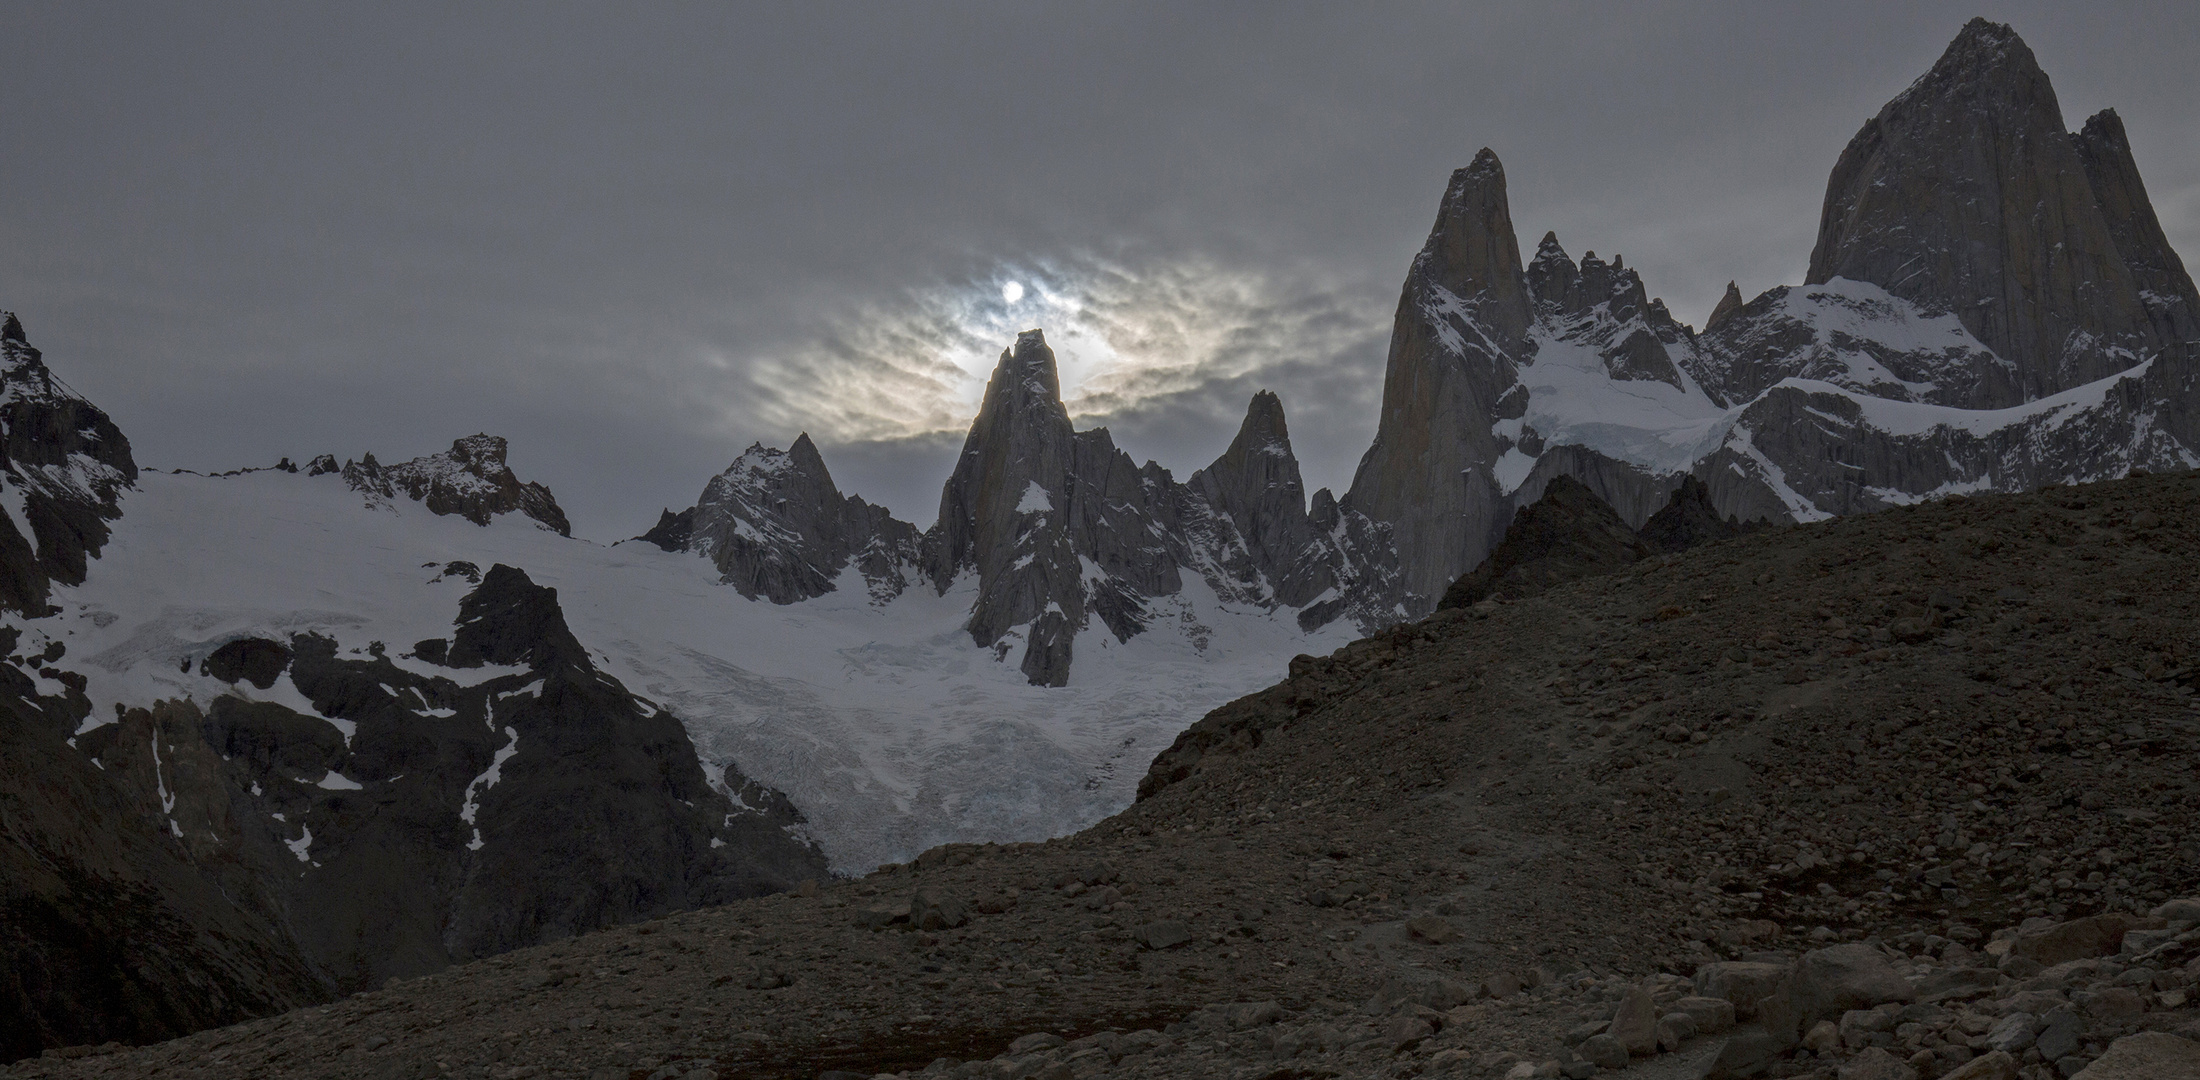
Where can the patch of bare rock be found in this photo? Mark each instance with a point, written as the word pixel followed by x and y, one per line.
pixel 1901 795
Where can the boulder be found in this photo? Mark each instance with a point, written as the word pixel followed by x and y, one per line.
pixel 1635 1023
pixel 934 909
pixel 1828 982
pixel 1743 983
pixel 2149 1055
pixel 2079 939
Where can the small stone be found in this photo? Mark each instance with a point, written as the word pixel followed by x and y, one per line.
pixel 1035 1042
pixel 2061 1033
pixel 1431 928
pixel 934 909
pixel 2113 1003
pixel 1744 983
pixel 2078 939
pixel 1250 1014
pixel 1606 1050
pixel 1824 1037
pixel 2186 910
pixel 375 1042
pixel 1407 1031
pixel 1163 934
pixel 1502 985
pixel 1833 980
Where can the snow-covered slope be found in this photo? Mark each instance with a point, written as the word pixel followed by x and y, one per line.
pixel 888 726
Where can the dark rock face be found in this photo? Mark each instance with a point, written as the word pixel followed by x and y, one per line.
pixel 1567 534
pixel 673 532
pixel 109 928
pixel 2166 290
pixel 1255 487
pixel 1004 513
pixel 428 820
pixel 1966 195
pixel 254 660
pixel 470 480
pixel 1687 521
pixel 776 527
pixel 66 462
pixel 1453 368
pixel 1729 303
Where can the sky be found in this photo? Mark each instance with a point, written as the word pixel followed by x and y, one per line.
pixel 634 239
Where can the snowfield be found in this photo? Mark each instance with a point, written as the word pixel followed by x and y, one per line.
pixel 885 723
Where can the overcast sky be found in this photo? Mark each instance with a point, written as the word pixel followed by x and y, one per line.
pixel 635 238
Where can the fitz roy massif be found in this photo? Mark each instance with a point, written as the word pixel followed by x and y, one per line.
pixel 285 733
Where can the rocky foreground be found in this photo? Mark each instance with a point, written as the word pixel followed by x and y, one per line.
pixel 1903 794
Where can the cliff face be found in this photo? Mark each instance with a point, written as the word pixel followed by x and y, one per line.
pixel 1453 368
pixel 1965 194
pixel 64 463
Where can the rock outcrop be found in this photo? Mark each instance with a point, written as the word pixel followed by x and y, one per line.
pixel 1687 520
pixel 64 464
pixel 470 480
pixel 1567 534
pixel 109 928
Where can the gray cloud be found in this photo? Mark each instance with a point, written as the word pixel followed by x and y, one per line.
pixel 635 239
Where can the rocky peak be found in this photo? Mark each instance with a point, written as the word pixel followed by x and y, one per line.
pixel 1966 195
pixel 1256 485
pixel 1728 304
pixel 65 463
pixel 2165 289
pixel 1456 345
pixel 1472 258
pixel 1002 512
pixel 508 619
pixel 1553 278
pixel 776 526
pixel 470 480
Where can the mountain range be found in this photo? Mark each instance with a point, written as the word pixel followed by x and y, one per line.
pixel 292 731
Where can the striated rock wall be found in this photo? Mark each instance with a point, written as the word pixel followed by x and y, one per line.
pixel 1455 347
pixel 1966 194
